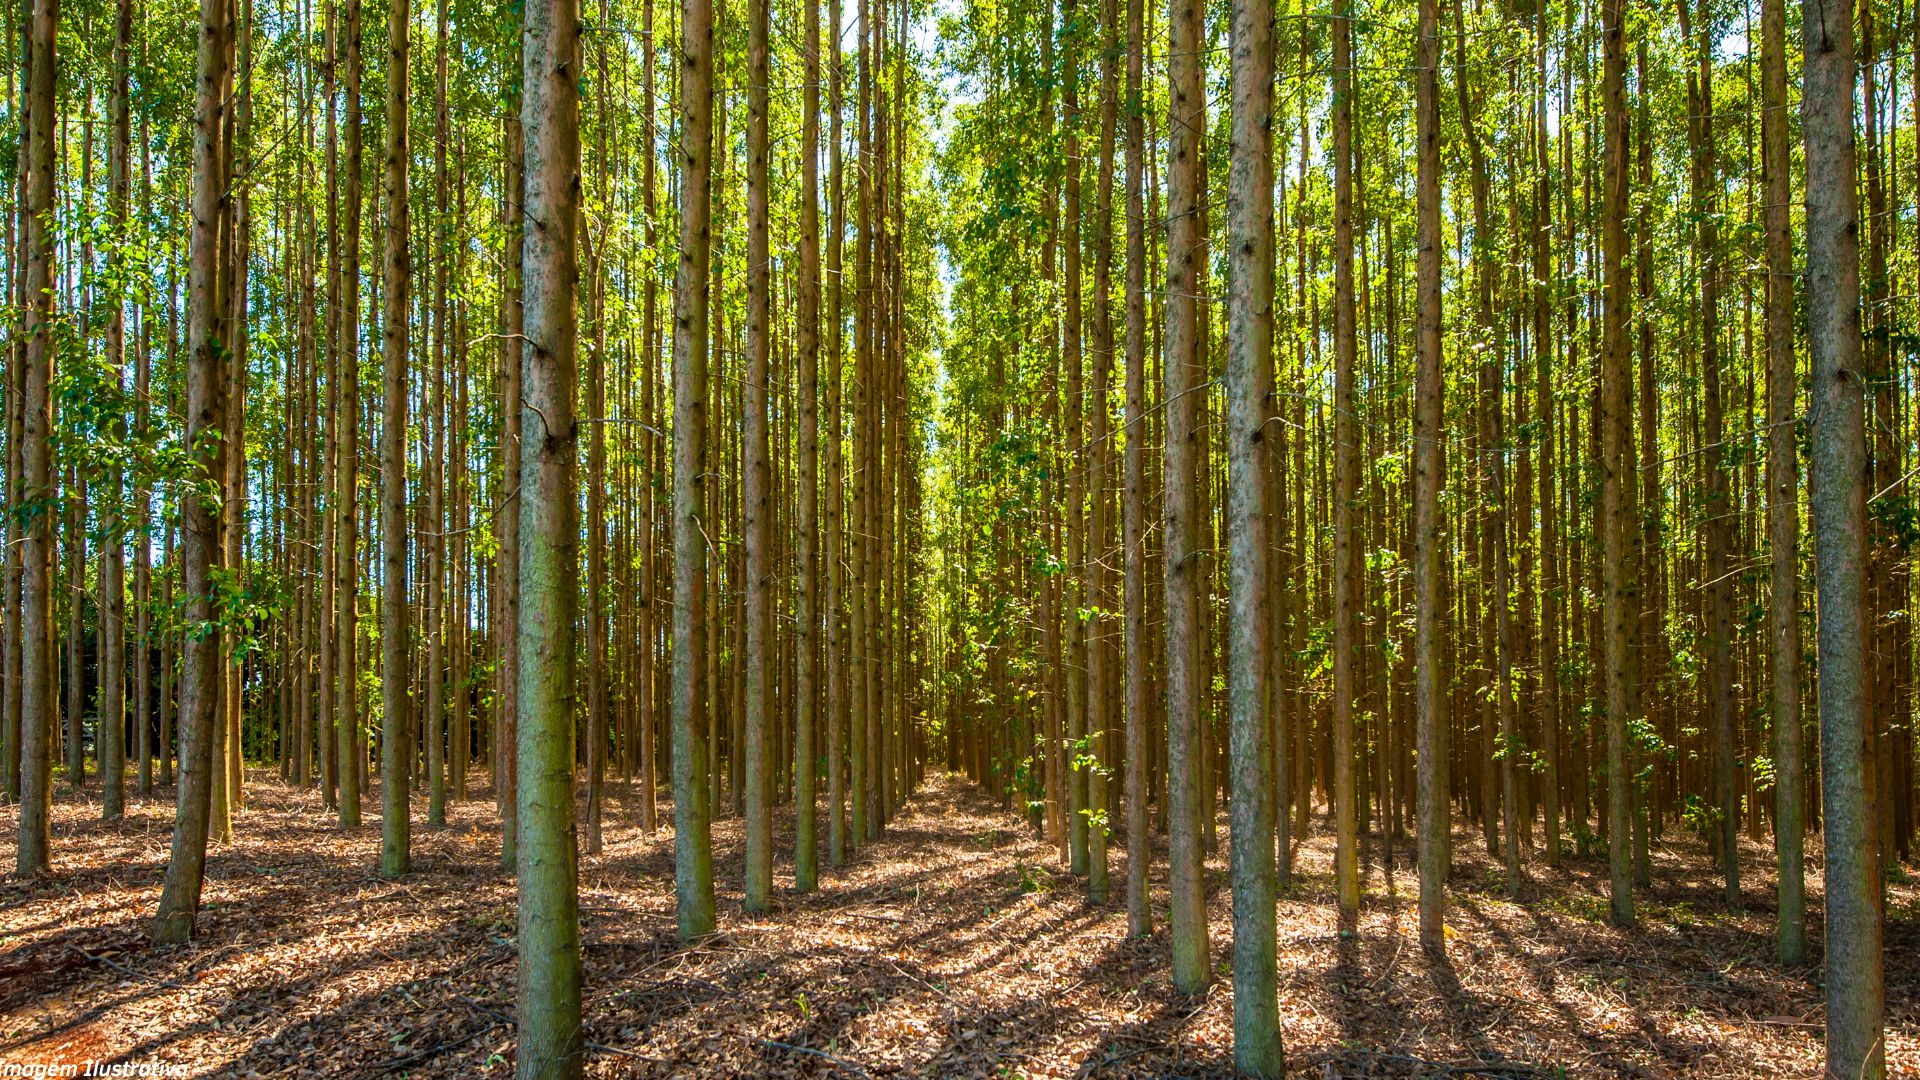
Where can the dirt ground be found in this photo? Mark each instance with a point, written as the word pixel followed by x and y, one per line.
pixel 953 947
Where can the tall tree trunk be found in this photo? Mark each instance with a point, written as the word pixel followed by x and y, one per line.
pixel 693 854
pixel 434 466
pixel 1183 371
pixel 807 315
pixel 1616 570
pixel 1856 1046
pixel 1100 667
pixel 142 677
pixel 228 789
pixel 1139 721
pixel 595 617
pixel 1256 1021
pixel 1077 471
pixel 11 603
pixel 396 726
pixel 325 738
pixel 1783 493
pixel 346 337
pixel 506 745
pixel 35 434
pixel 551 1042
pixel 647 600
pixel 112 724
pixel 758 496
pixel 836 673
pixel 200 515
pixel 1346 483
pixel 1427 480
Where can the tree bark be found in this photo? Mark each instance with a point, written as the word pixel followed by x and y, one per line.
pixel 112 724
pixel 1616 570
pixel 1855 1042
pixel 758 496
pixel 1183 372
pixel 551 1043
pixel 1346 483
pixel 1783 494
pixel 200 507
pixel 1256 1021
pixel 1431 732
pixel 396 727
pixel 346 337
pixel 1139 721
pixel 807 331
pixel 36 643
pixel 693 854
pixel 836 674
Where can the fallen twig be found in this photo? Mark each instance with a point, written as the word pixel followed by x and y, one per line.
pixel 408 1060
pixel 124 969
pixel 840 1061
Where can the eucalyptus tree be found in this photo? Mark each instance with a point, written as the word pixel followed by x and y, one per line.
pixel 1256 1022
pixel 1855 1036
pixel 552 1045
pixel 34 460
pixel 1183 366
pixel 200 504
pixel 1783 493
pixel 693 854
pixel 396 734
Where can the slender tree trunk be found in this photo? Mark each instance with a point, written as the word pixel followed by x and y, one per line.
pixel 35 433
pixel 1856 1046
pixel 1616 571
pixel 200 514
pixel 807 308
pixel 229 748
pixel 1101 654
pixel 396 727
pixel 1256 1021
pixel 112 724
pixel 11 602
pixel 346 336
pixel 551 1042
pixel 506 743
pixel 1073 356
pixel 758 496
pixel 1346 483
pixel 596 615
pixel 1427 480
pixel 1183 369
pixel 1139 721
pixel 835 489
pixel 1783 493
pixel 693 855
pixel 143 690
pixel 434 467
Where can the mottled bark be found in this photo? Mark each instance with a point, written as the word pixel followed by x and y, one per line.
pixel 551 1045
pixel 1183 369
pixel 200 508
pixel 1256 1022
pixel 1837 474
pixel 693 854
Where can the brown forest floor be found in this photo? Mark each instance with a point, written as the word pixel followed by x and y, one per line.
pixel 950 948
